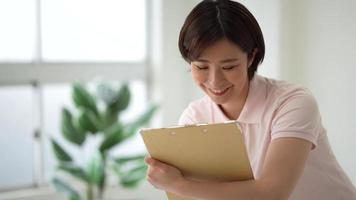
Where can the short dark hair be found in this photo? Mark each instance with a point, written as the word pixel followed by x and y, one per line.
pixel 213 20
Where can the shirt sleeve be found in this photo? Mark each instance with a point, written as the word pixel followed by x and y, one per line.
pixel 297 116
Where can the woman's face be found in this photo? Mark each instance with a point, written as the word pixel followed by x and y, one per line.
pixel 221 71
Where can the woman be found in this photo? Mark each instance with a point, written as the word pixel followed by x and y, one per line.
pixel 286 143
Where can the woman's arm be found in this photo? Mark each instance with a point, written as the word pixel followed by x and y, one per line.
pixel 284 164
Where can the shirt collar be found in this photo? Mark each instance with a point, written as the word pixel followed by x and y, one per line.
pixel 255 101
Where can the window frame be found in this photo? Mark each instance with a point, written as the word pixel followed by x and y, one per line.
pixel 39 72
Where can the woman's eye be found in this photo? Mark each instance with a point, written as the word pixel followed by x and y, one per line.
pixel 201 67
pixel 229 67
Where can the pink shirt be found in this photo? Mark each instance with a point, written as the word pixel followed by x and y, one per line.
pixel 276 109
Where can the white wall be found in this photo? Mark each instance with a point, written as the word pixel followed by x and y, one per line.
pixel 318 50
pixel 267 13
pixel 173 87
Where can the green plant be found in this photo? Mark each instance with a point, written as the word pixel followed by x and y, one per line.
pixel 92 120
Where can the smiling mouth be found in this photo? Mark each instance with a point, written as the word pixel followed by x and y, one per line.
pixel 219 92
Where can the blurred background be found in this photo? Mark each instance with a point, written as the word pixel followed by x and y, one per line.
pixel 46 45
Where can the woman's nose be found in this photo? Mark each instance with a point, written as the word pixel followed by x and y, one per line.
pixel 216 77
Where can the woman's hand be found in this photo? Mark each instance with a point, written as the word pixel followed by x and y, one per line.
pixel 164 176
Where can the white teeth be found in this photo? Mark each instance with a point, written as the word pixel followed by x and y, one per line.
pixel 219 91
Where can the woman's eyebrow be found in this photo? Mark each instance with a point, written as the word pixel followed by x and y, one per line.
pixel 222 61
pixel 229 60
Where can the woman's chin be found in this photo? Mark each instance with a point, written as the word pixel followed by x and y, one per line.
pixel 219 99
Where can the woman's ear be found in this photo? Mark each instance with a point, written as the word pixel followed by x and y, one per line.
pixel 251 56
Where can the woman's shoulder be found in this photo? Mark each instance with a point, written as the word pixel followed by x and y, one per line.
pixel 285 97
pixel 202 102
pixel 196 111
pixel 290 99
pixel 281 90
pixel 293 111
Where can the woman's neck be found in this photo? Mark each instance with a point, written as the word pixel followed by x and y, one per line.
pixel 232 109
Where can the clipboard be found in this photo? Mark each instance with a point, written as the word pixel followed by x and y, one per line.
pixel 204 152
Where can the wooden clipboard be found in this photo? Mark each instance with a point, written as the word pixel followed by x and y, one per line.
pixel 204 152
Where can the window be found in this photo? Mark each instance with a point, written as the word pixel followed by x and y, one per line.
pixel 17 37
pixel 45 46
pixel 82 30
pixel 16 136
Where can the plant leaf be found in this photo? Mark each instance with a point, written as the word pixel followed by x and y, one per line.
pixel 121 165
pixel 95 169
pixel 133 127
pixel 110 117
pixel 60 153
pixel 135 158
pixel 63 187
pixel 88 121
pixel 83 99
pixel 132 177
pixel 106 93
pixel 69 130
pixel 123 99
pixel 114 135
pixel 74 170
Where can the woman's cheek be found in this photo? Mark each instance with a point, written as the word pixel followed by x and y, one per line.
pixel 238 77
pixel 199 77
